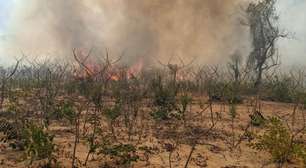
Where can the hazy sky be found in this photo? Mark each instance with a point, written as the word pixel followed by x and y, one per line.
pixel 292 19
pixel 5 7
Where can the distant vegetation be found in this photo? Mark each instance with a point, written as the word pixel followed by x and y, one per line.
pixel 119 112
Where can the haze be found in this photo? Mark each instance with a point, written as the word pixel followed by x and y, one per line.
pixel 207 30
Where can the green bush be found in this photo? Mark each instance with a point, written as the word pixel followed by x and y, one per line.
pixel 164 101
pixel 304 102
pixel 185 101
pixel 227 92
pixel 279 89
pixel 257 119
pixel 37 143
pixel 278 141
pixel 112 113
pixel 123 154
pixel 216 90
pixel 66 111
pixel 160 114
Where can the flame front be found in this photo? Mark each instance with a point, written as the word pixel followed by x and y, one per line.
pixel 135 69
pixel 88 68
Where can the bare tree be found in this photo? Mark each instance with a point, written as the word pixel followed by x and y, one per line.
pixel 6 75
pixel 234 66
pixel 175 68
pixel 262 20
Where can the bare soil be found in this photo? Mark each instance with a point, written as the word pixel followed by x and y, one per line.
pixel 213 150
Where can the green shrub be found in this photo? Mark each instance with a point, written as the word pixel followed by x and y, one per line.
pixel 233 111
pixel 227 92
pixel 112 113
pixel 160 114
pixel 66 111
pixel 215 90
pixel 37 143
pixel 164 98
pixel 281 92
pixel 279 89
pixel 257 119
pixel 278 141
pixel 123 154
pixel 164 101
pixel 185 101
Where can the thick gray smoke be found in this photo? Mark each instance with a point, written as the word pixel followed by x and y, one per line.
pixel 208 30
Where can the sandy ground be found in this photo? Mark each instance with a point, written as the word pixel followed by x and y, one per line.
pixel 212 150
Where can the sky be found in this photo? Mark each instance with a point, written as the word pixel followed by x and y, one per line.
pixel 5 7
pixel 292 20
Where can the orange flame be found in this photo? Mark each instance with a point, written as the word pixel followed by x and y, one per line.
pixel 113 73
pixel 114 77
pixel 135 69
pixel 88 69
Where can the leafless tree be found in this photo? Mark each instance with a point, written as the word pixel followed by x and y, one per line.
pixel 97 77
pixel 175 68
pixel 235 66
pixel 6 75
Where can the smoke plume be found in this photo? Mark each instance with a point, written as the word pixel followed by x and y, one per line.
pixel 208 30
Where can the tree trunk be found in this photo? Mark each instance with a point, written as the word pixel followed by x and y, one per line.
pixel 258 80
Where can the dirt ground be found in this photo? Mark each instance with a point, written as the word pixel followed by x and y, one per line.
pixel 212 150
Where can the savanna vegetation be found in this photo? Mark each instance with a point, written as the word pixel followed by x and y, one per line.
pixel 245 113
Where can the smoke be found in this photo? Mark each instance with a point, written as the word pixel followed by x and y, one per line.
pixel 292 21
pixel 208 30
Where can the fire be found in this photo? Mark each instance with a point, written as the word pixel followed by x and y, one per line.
pixel 115 74
pixel 88 68
pixel 114 78
pixel 85 66
pixel 135 69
